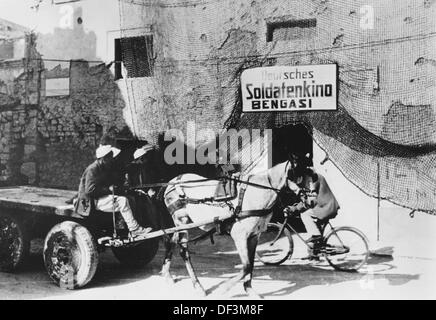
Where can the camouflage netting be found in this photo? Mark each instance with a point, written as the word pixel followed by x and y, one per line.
pixel 384 129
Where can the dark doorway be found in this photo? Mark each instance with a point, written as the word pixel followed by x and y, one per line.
pixel 292 139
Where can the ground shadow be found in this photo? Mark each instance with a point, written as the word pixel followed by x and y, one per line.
pixel 219 261
pixel 297 272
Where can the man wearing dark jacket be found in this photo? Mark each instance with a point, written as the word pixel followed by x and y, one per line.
pixel 96 191
pixel 319 204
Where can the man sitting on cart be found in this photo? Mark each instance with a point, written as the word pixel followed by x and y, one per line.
pixel 318 203
pixel 142 171
pixel 97 191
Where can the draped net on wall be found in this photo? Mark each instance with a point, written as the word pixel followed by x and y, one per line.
pixel 383 133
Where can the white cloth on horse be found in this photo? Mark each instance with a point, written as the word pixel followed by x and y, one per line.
pixel 206 189
pixel 198 190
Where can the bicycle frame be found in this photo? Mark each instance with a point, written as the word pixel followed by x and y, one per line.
pixel 287 225
pixel 332 252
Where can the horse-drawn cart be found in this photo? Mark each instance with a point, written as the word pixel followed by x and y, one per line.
pixel 72 244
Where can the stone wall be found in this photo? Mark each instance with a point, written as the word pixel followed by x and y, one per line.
pixel 71 126
pixel 49 140
pixel 19 92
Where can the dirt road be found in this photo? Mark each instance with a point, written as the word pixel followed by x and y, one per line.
pixel 398 277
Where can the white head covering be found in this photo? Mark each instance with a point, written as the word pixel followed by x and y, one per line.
pixel 103 150
pixel 115 151
pixel 141 151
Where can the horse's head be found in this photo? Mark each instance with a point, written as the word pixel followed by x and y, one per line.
pixel 299 162
pixel 281 181
pixel 299 175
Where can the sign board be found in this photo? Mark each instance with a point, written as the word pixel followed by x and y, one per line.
pixel 290 88
pixel 57 87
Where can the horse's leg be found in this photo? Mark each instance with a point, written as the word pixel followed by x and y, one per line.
pixel 169 243
pixel 252 244
pixel 183 242
pixel 242 248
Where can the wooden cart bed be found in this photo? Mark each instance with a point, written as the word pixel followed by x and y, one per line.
pixel 38 200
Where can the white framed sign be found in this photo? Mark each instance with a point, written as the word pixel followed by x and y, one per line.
pixel 57 87
pixel 290 88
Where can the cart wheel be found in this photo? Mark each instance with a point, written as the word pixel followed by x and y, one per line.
pixel 274 250
pixel 137 255
pixel 14 242
pixel 346 249
pixel 70 255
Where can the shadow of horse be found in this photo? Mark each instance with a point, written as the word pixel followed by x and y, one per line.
pixel 300 274
pixel 224 262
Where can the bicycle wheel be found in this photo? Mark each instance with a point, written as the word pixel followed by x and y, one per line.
pixel 274 250
pixel 346 248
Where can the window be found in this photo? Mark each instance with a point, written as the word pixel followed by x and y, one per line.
pixel 6 49
pixel 281 29
pixel 135 53
pixel 57 87
pixel 364 80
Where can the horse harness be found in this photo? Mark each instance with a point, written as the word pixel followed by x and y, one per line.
pixel 239 214
pixel 237 211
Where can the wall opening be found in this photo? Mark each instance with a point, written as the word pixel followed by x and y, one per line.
pixel 135 54
pixel 293 139
pixel 290 29
pixel 6 49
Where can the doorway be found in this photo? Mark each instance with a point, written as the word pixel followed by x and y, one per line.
pixel 292 139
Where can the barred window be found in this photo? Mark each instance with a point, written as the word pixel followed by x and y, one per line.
pixel 290 29
pixel 135 53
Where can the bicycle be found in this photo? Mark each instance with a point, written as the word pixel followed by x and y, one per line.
pixel 345 248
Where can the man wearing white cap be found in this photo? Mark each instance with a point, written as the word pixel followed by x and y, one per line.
pixel 146 170
pixel 141 171
pixel 95 191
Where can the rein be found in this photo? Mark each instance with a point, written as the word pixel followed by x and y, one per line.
pixel 166 184
pixel 237 212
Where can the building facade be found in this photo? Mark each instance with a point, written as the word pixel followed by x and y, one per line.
pixel 383 136
pixel 146 66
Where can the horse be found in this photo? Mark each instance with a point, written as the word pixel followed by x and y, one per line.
pixel 260 194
